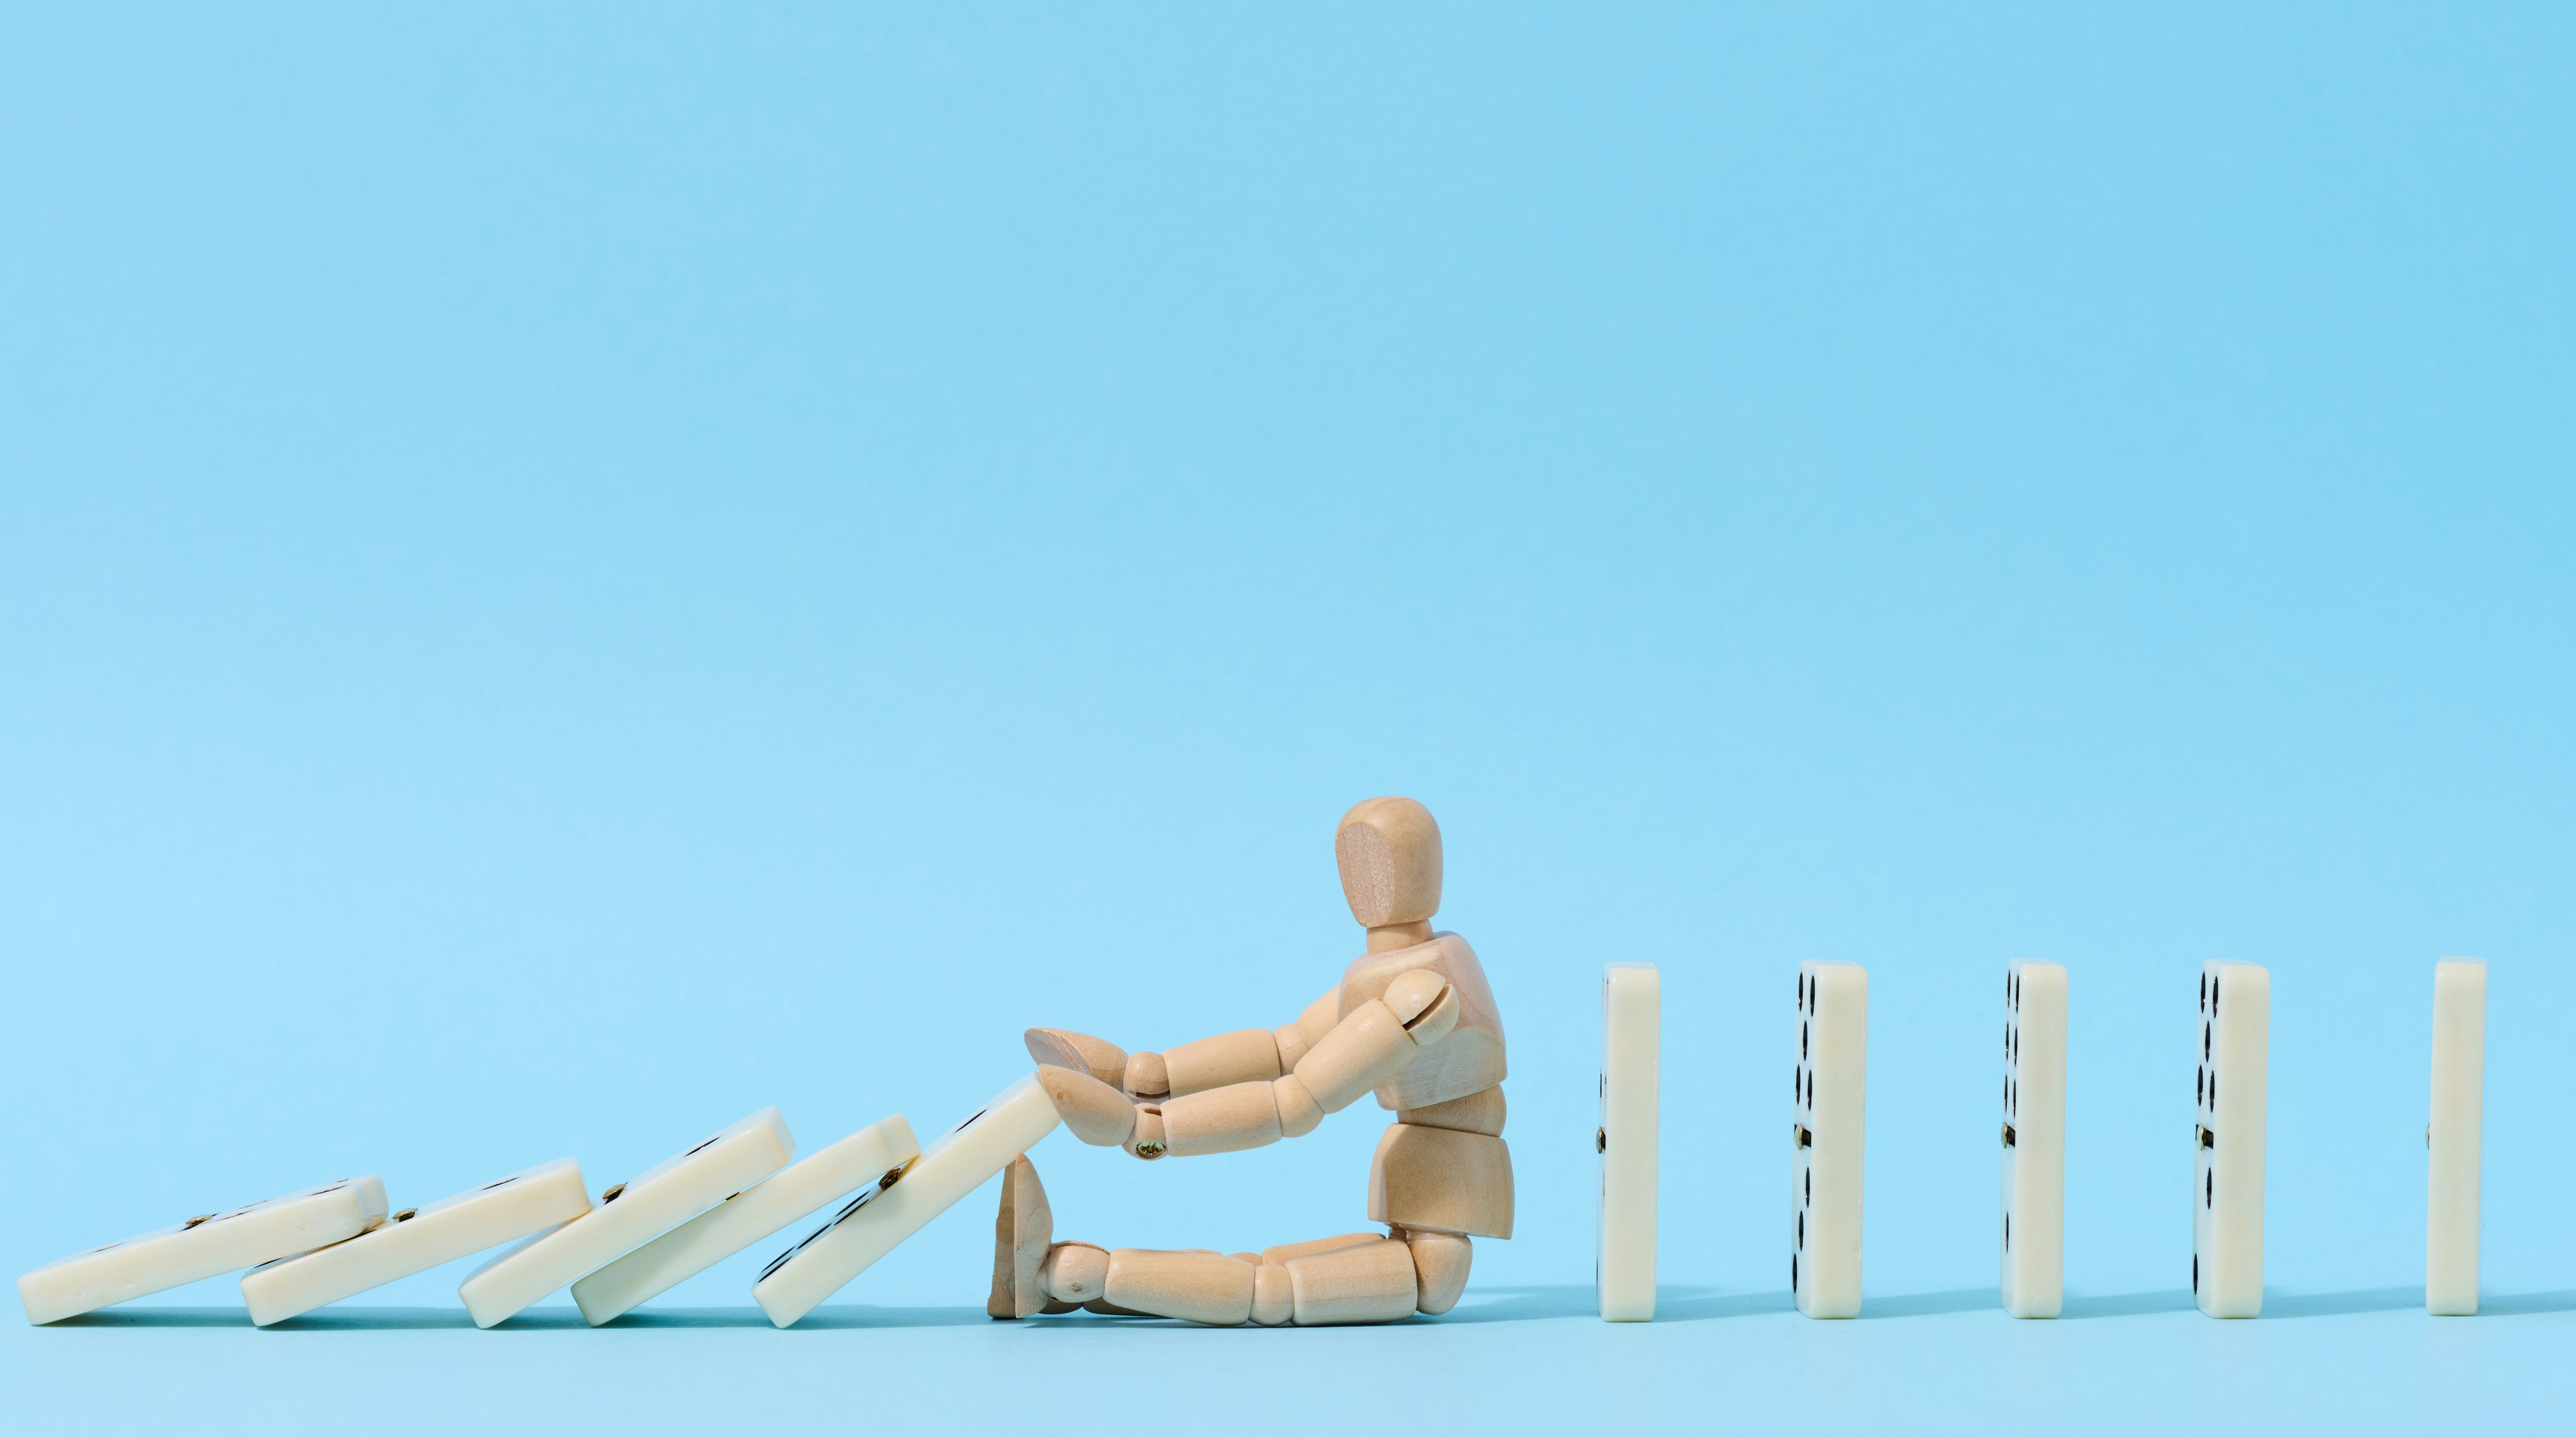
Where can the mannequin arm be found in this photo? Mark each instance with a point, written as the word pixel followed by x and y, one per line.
pixel 1367 1047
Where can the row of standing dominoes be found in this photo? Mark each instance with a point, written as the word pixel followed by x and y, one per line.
pixel 2228 1094
pixel 674 1220
pixel 322 1245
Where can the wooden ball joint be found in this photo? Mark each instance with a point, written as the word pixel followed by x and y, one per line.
pixel 1412 1021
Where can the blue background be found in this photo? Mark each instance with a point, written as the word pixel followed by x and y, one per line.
pixel 566 575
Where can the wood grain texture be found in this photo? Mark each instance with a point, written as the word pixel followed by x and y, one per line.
pixel 1439 1178
pixel 1470 1056
pixel 1145 1076
pixel 1075 1273
pixel 1221 1120
pixel 1022 1231
pixel 1440 1264
pixel 1200 1287
pixel 1228 1058
pixel 1095 1112
pixel 1282 1253
pixel 1368 1283
pixel 1064 1048
pixel 1298 1112
pixel 1365 1050
pixel 1479 1112
pixel 1274 1296
pixel 1388 851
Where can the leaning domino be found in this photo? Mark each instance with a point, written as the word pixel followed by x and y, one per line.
pixel 1632 999
pixel 2452 1139
pixel 875 1155
pixel 2034 1236
pixel 203 1247
pixel 1832 1081
pixel 417 1240
pixel 2227 1154
pixel 628 1216
pixel 876 1221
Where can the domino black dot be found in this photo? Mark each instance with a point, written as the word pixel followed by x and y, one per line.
pixel 2209 1189
pixel 2007 986
pixel 2195 1273
pixel 2213 1091
pixel 1810 1195
pixel 2199 1085
pixel 1811 1088
pixel 1802 1230
pixel 2213 993
pixel 1793 1273
pixel 1802 1040
pixel 2007 1040
pixel 2204 999
pixel 2007 1233
pixel 2204 1043
pixel 2008 1093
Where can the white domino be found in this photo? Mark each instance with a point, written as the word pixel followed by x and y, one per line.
pixel 1833 1079
pixel 2451 1140
pixel 629 1216
pixel 2034 1140
pixel 871 1225
pixel 417 1240
pixel 872 1156
pixel 202 1247
pixel 1632 1004
pixel 2227 1140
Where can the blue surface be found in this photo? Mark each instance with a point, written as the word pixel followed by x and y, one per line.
pixel 566 576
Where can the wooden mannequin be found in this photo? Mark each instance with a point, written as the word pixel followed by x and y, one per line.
pixel 1412 1019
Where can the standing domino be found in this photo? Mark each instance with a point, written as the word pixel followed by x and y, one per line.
pixel 629 1216
pixel 1632 1003
pixel 870 1226
pixel 875 1155
pixel 1832 1079
pixel 2452 1139
pixel 417 1240
pixel 2227 1140
pixel 202 1247
pixel 2034 1139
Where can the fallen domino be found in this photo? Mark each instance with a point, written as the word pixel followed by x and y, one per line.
pixel 202 1247
pixel 417 1240
pixel 874 1158
pixel 629 1216
pixel 871 1225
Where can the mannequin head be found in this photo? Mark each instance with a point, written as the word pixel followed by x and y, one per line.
pixel 1389 853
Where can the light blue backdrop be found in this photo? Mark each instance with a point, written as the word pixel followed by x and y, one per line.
pixel 568 574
